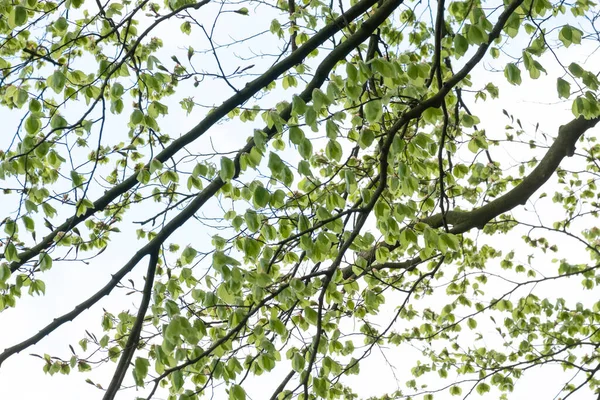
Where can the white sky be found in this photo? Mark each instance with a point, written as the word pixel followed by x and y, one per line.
pixel 21 376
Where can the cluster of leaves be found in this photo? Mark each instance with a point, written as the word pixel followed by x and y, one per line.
pixel 360 181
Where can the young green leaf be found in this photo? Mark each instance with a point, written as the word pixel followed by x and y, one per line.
pixel 564 88
pixel 227 170
pixel 512 74
pixel 373 110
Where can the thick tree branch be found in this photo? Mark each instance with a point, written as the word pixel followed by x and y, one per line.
pixel 563 146
pixel 463 221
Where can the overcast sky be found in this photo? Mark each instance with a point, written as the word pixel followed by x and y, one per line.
pixel 22 378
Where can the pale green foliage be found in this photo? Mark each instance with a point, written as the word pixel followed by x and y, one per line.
pixel 343 188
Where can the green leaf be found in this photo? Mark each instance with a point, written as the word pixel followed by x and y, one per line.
pixel 319 99
pixel 18 16
pixel 116 91
pixel 311 118
pixel 225 294
pixel 58 121
pixel 261 197
pixel 471 323
pixel 331 129
pixel 352 73
pixel 564 88
pixel 512 74
pixel 298 362
pixel 56 81
pixel 143 176
pixel 366 138
pixel 10 253
pixel 569 35
pixel 45 262
pixel 188 255
pixel 298 106
pixel 455 390
pixel 29 224
pixel 373 110
pixel 476 34
pixel 334 150
pixel 227 170
pixel 263 279
pixel 177 378
pixel 136 117
pixel 140 370
pixel 461 45
pixel 237 393
pixel 61 24
pixel 483 388
pixel 252 248
pixel 296 135
pixel 321 387
pixel 311 315
pixel 33 125
pixel 252 220
pixel 35 106
pixel 49 211
pixel 470 120
pixel 352 91
pixel 77 179
pixel 576 70
pixel 289 81
pixel 473 146
pixel 277 199
pixel 4 272
pixel 275 164
pixel 305 149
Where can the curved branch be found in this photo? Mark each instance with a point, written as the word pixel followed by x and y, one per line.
pixel 463 221
pixel 563 146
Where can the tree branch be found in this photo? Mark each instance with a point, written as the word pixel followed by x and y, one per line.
pixel 563 146
pixel 292 9
pixel 134 335
pixel 463 221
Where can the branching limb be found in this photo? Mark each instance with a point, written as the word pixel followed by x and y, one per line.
pixel 209 191
pixel 463 221
pixel 362 218
pixel 239 98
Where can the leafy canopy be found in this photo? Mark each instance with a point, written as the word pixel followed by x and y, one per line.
pixel 304 183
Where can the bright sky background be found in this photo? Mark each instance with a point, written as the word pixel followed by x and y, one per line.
pixel 21 376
